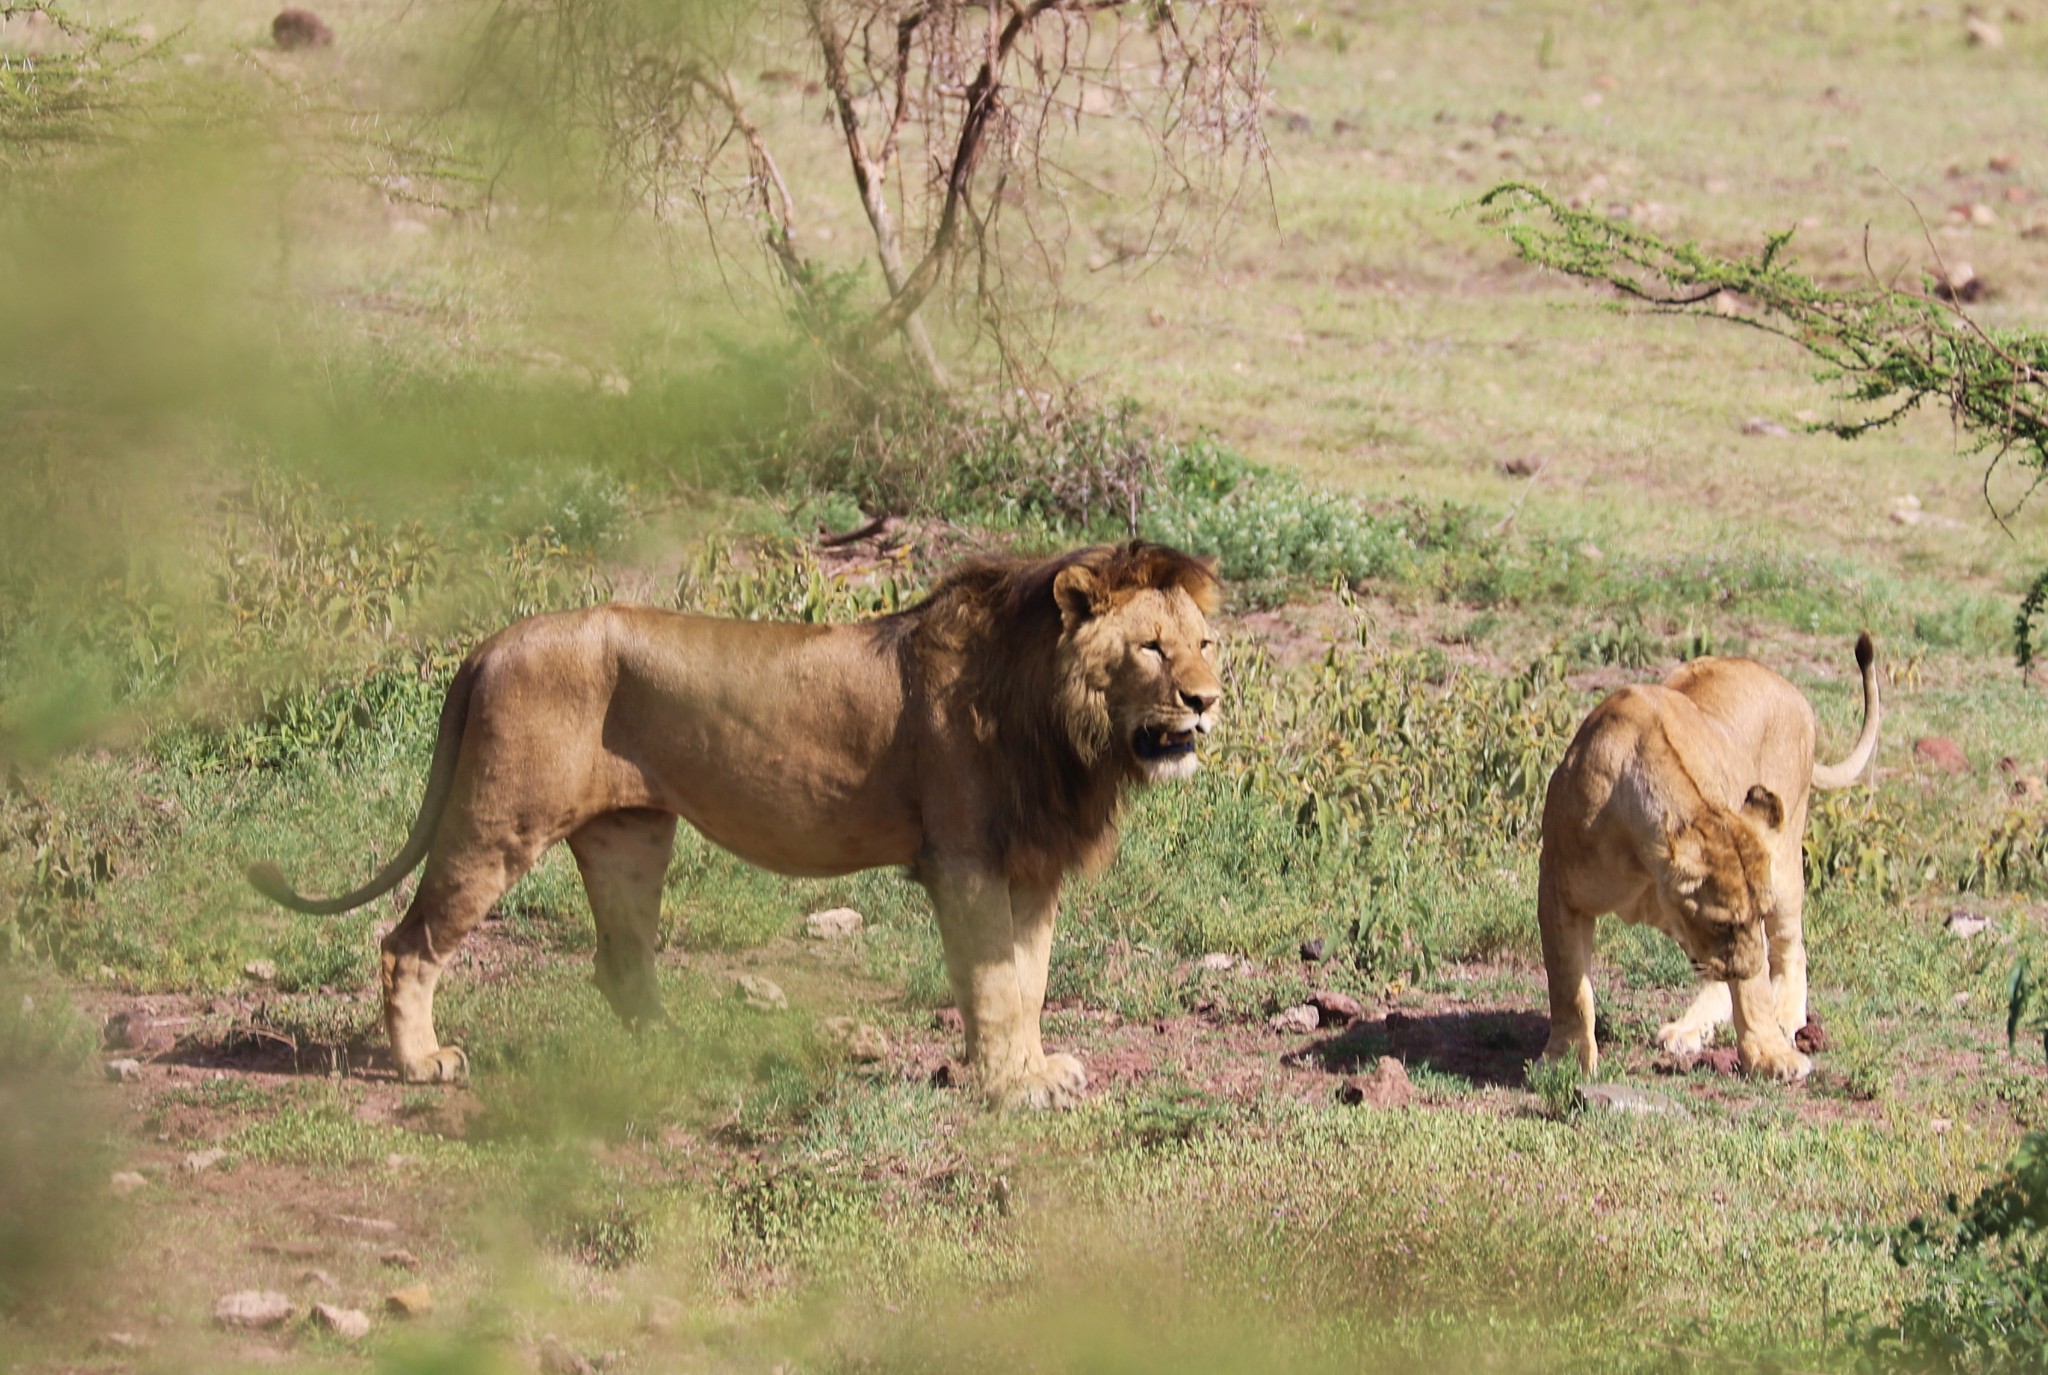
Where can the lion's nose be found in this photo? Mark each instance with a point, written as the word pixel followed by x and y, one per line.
pixel 1200 700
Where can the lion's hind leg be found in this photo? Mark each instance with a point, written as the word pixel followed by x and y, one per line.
pixel 624 857
pixel 461 883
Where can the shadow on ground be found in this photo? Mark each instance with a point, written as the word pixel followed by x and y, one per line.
pixel 1486 1048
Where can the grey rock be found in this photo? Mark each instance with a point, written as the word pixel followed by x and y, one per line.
pixel 1962 923
pixel 198 1162
pixel 1216 962
pixel 834 924
pixel 1765 429
pixel 253 1309
pixel 1296 1021
pixel 350 1324
pixel 125 1182
pixel 124 1071
pixel 260 972
pixel 863 1042
pixel 413 1301
pixel 1623 1098
pixel 400 1258
pixel 762 993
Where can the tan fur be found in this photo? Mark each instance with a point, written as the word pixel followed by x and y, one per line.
pixel 982 739
pixel 1683 807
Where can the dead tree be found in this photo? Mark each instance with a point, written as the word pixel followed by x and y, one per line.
pixel 952 118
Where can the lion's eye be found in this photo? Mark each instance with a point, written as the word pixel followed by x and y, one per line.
pixel 1208 646
pixel 1155 647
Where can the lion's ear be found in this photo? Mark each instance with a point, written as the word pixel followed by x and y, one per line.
pixel 1074 590
pixel 1763 808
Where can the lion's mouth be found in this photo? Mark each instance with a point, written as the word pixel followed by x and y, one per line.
pixel 1162 742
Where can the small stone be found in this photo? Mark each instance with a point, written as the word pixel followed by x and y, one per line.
pixel 125 1182
pixel 199 1162
pixel 1295 1021
pixel 413 1301
pixel 762 993
pixel 123 1031
pixel 1591 552
pixel 1812 1038
pixel 260 972
pixel 1387 1086
pixel 2005 164
pixel 1312 950
pixel 376 1226
pixel 834 924
pixel 124 1071
pixel 1216 962
pixel 1622 1098
pixel 1941 754
pixel 1982 33
pixel 119 1343
pixel 295 29
pixel 254 1309
pixel 400 1258
pixel 1334 1008
pixel 349 1324
pixel 557 1358
pixel 863 1042
pixel 1959 282
pixel 1522 465
pixel 1940 1126
pixel 316 1279
pixel 1962 923
pixel 1765 429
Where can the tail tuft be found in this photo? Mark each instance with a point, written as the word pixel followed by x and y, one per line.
pixel 268 880
pixel 1865 651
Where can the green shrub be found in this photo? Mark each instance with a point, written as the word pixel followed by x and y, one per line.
pixel 1983 1305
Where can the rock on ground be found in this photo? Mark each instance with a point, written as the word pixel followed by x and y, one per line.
pixel 834 924
pixel 1387 1086
pixel 863 1042
pixel 1623 1098
pixel 1295 1021
pixel 253 1309
pixel 762 993
pixel 1336 1009
pixel 350 1324
pixel 294 29
pixel 413 1301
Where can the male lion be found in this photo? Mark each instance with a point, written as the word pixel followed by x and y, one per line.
pixel 1683 807
pixel 983 738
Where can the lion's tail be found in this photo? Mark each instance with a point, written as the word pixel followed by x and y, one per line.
pixel 270 882
pixel 1843 774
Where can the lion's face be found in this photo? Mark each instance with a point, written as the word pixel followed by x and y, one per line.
pixel 1720 885
pixel 1148 662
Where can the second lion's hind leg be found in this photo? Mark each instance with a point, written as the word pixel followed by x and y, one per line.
pixel 624 857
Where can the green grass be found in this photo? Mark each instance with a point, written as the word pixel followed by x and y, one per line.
pixel 320 441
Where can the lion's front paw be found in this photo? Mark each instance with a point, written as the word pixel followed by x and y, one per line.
pixel 1684 1038
pixel 1786 1066
pixel 448 1065
pixel 1058 1084
pixel 1569 1048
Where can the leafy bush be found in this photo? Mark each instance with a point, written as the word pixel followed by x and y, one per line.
pixel 1984 1305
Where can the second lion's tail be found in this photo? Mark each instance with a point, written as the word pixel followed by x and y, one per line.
pixel 1843 774
pixel 270 882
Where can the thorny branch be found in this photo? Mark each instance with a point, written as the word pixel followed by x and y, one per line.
pixel 1886 349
